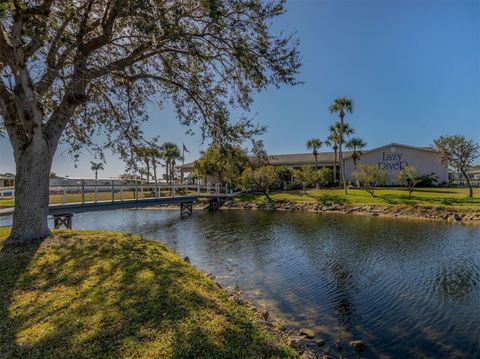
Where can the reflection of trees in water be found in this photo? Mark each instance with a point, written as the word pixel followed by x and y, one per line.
pixel 345 287
pixel 457 283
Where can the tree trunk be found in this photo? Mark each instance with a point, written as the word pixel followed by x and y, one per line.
pixel 470 189
pixel 33 165
pixel 335 169
pixel 96 175
pixel 340 152
pixel 147 163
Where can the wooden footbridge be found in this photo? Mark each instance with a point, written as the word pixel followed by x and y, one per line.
pixel 71 199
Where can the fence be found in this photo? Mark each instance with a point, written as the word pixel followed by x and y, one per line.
pixel 87 192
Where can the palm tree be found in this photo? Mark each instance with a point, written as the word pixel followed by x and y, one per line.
pixel 356 144
pixel 314 144
pixel 95 167
pixel 171 153
pixel 340 106
pixel 334 139
pixel 331 142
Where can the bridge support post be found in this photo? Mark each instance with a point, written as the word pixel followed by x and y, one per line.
pixel 186 209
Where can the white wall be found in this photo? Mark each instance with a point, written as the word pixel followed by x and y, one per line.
pixel 395 157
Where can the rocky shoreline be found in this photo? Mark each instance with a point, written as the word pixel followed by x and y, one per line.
pixel 470 216
pixel 306 342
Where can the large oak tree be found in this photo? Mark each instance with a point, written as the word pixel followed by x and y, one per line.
pixel 76 70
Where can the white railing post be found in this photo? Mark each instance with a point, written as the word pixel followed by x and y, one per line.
pixel 121 192
pixel 83 191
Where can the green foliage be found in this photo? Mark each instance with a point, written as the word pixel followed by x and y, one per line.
pixel 342 104
pixel 93 68
pixel 356 145
pixel 408 177
pixel 428 180
pixel 170 152
pixel 314 144
pixel 259 156
pixel 283 174
pixel 458 152
pixel 225 162
pixel 370 177
pixel 306 176
pixel 98 294
pixel 261 179
pixel 323 177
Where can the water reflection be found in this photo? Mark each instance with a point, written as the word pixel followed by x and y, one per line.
pixel 409 288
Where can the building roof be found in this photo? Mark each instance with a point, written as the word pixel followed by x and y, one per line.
pixel 299 159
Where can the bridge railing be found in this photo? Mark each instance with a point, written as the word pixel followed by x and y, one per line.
pixel 87 192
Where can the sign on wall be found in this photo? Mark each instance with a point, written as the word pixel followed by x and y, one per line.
pixel 393 160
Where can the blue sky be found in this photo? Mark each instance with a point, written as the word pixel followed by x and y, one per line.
pixel 412 68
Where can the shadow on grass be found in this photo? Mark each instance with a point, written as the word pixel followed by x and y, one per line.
pixel 14 260
pixel 113 295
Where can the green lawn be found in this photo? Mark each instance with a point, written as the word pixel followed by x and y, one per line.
pixel 88 294
pixel 447 197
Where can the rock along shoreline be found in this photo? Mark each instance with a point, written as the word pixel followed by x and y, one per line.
pixel 468 216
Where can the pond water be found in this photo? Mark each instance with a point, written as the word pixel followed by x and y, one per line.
pixel 407 288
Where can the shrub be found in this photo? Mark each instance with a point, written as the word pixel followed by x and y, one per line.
pixel 370 177
pixel 408 177
pixel 262 179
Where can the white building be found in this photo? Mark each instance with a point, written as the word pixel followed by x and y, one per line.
pixel 392 157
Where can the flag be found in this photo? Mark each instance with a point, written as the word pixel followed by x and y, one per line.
pixel 185 149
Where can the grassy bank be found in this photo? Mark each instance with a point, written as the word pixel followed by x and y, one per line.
pixel 103 294
pixel 444 197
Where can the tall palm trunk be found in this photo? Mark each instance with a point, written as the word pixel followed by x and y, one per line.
pixel 96 175
pixel 342 168
pixel 154 165
pixel 172 169
pixel 167 166
pixel 335 166
pixel 147 164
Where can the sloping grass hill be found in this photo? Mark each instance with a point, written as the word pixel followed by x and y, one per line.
pixel 91 294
